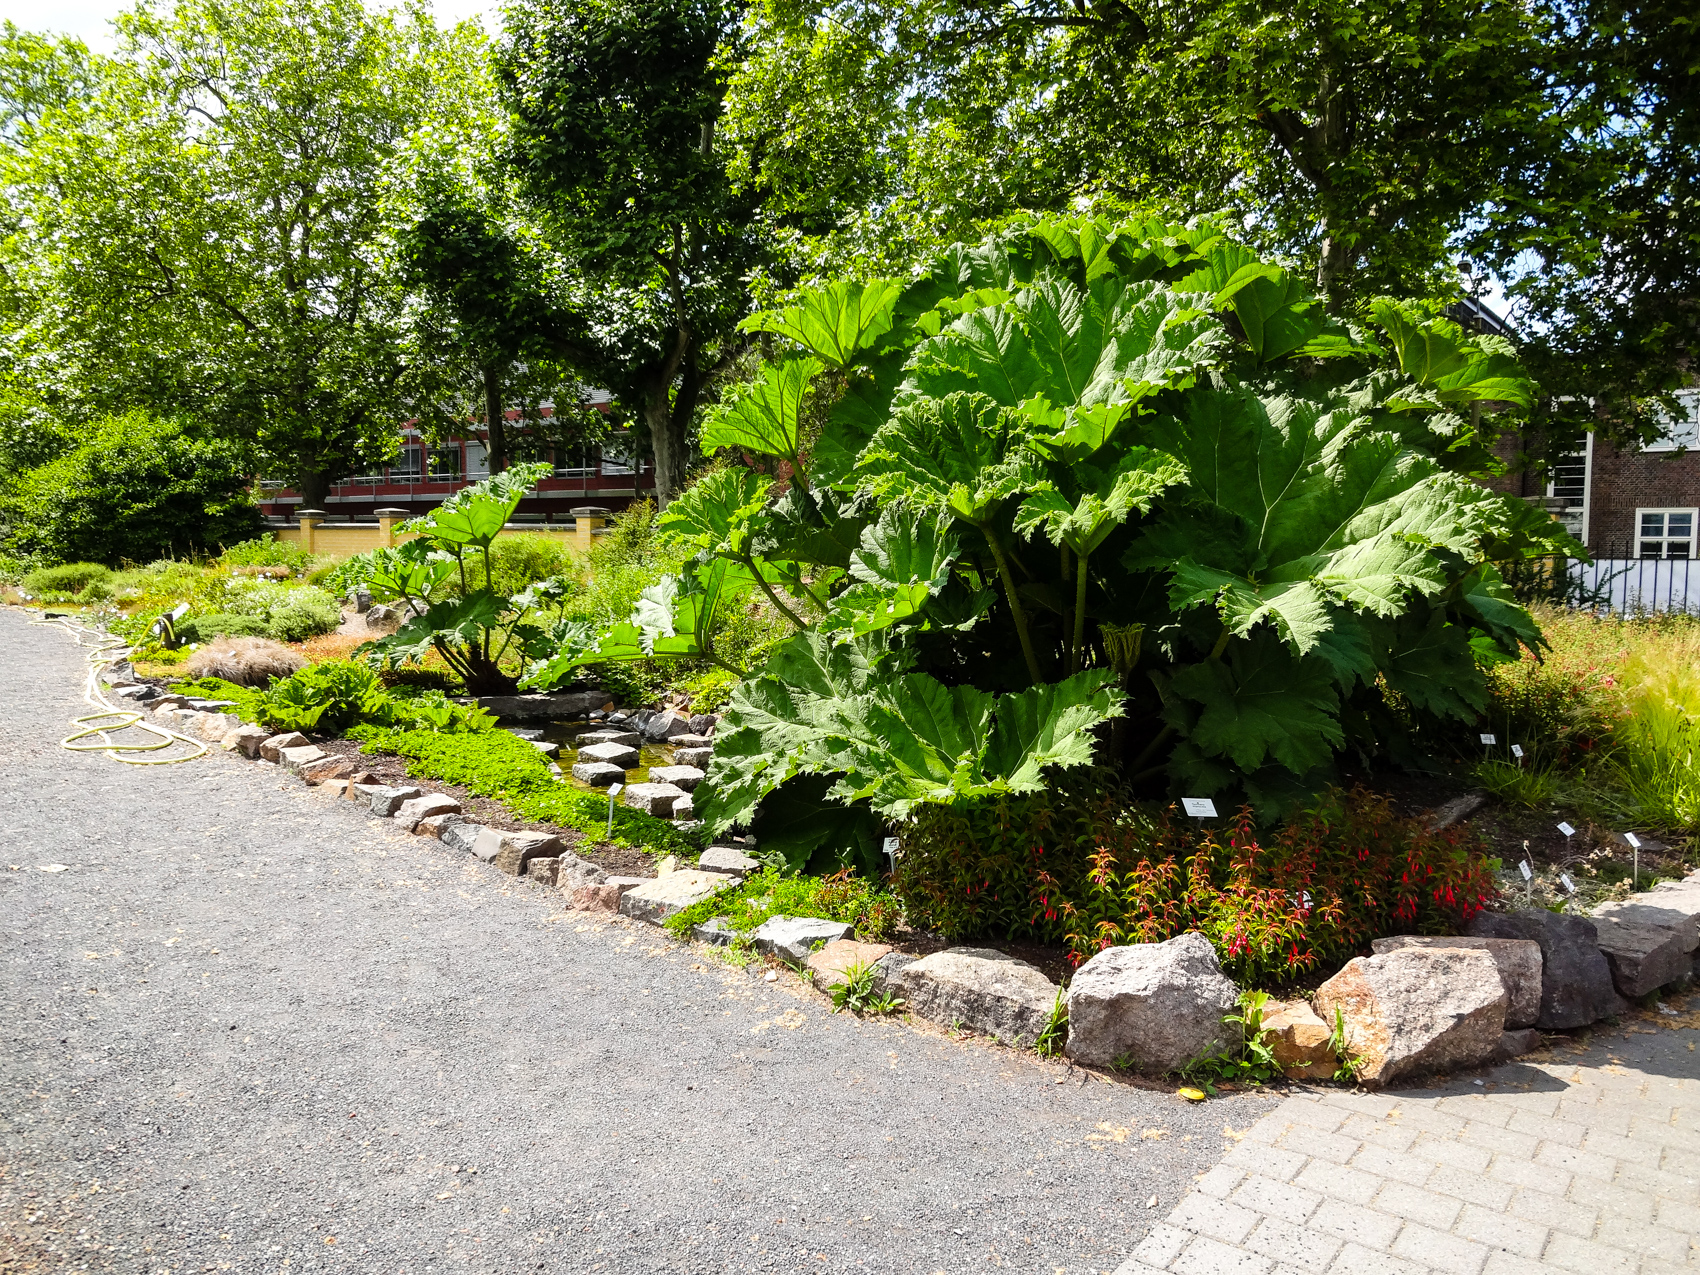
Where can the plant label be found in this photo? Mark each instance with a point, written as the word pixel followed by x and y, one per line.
pixel 614 791
pixel 1566 829
pixel 1569 885
pixel 1632 841
pixel 891 852
pixel 1490 740
pixel 1517 751
pixel 1526 870
pixel 1199 807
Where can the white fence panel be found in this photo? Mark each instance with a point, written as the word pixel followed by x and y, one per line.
pixel 1631 586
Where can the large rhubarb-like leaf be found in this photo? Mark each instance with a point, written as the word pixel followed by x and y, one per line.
pixel 904 560
pixel 765 417
pixel 1296 507
pixel 1261 703
pixel 962 453
pixel 835 322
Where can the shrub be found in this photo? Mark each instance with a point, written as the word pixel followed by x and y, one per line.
pixel 843 897
pixel 136 488
pixel 1080 867
pixel 204 628
pixel 267 551
pixel 72 580
pixel 517 561
pixel 244 661
pixel 288 613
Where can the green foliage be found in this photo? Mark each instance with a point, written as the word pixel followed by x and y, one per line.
pixel 204 628
pixel 859 992
pixel 286 614
pixel 841 896
pixel 1252 1060
pixel 332 697
pixel 267 551
pixel 1054 1034
pixel 1068 433
pixel 495 763
pixel 1349 1063
pixel 134 488
pixel 245 699
pixel 73 581
pixel 1532 785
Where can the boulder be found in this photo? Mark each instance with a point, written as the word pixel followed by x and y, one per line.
pixel 272 745
pixel 685 807
pixel 690 741
pixel 594 898
pixel 293 759
pixel 622 755
pixel 327 767
pixel 410 812
pixel 511 851
pixel 246 740
pixel 461 836
pixel 979 988
pixel 598 774
pixel 215 726
pixel 715 930
pixel 385 801
pixel 888 967
pixel 1159 1005
pixel 1514 1044
pixel 702 724
pixel 728 859
pixel 653 799
pixel 664 726
pixel 686 777
pixel 1416 1010
pixel 697 757
pixel 1670 905
pixel 1643 958
pixel 627 738
pixel 436 825
pixel 832 961
pixel 1576 982
pixel 660 897
pixel 542 870
pixel 546 747
pixel 542 708
pixel 795 938
pixel 1518 960
pixel 1299 1040
pixel 574 871
pixel 530 734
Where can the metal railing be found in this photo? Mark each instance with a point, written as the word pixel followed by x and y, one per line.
pixel 1610 584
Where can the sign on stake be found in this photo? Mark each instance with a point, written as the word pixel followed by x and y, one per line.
pixel 1566 829
pixel 613 792
pixel 1517 752
pixel 891 852
pixel 1199 807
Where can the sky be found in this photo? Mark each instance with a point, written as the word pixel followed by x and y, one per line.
pixel 90 20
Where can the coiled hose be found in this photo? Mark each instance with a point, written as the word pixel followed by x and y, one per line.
pixel 100 657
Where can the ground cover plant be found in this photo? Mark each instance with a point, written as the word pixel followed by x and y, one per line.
pixel 497 764
pixel 840 896
pixel 1086 491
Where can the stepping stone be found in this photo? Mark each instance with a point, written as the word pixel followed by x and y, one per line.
pixel 630 738
pixel 728 859
pixel 698 757
pixel 622 755
pixel 691 741
pixel 545 747
pixel 598 774
pixel 529 734
pixel 686 777
pixel 795 938
pixel 653 799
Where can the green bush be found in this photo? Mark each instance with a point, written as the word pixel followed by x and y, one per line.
pixel 517 561
pixel 204 628
pixel 267 551
pixel 842 897
pixel 136 488
pixel 72 580
pixel 330 698
pixel 290 613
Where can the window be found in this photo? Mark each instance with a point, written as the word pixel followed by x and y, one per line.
pixel 1665 533
pixel 1567 485
pixel 1683 429
pixel 410 467
pixel 477 461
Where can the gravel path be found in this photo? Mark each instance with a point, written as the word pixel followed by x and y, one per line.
pixel 251 1029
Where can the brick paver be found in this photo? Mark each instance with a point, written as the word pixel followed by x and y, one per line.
pixel 1582 1158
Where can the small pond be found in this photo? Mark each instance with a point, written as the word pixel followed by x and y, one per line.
pixel 566 733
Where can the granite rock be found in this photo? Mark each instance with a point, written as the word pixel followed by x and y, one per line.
pixel 622 755
pixel 832 961
pixel 1576 979
pixel 410 812
pixel 981 989
pixel 795 938
pixel 385 801
pixel 728 859
pixel 509 852
pixel 1299 1040
pixel 1160 1005
pixel 273 745
pixel 660 897
pixel 461 836
pixel 1643 958
pixel 685 777
pixel 653 799
pixel 1518 960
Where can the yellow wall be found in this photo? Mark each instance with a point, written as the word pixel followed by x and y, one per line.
pixel 365 537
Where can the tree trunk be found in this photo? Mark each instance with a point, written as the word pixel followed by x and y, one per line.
pixel 667 438
pixel 313 484
pixel 495 422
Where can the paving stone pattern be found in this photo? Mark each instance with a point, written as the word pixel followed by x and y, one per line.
pixel 1584 1160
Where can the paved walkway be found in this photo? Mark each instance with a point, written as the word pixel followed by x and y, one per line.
pixel 1585 1158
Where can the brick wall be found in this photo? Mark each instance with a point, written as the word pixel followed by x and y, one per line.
pixel 1623 481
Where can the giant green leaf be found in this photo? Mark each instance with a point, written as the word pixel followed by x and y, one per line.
pixel 715 512
pixel 458 622
pixel 1451 367
pixel 474 516
pixel 765 417
pixel 903 561
pixel 962 453
pixel 1262 702
pixel 819 527
pixel 1427 659
pixel 1276 309
pixel 1484 595
pixel 1110 494
pixel 835 322
pixel 1296 505
pixel 897 739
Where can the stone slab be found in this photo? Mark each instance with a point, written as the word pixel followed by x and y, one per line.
pixel 981 989
pixel 685 777
pixel 509 852
pixel 543 708
pixel 660 897
pixel 410 812
pixel 625 738
pixel 653 799
pixel 273 745
pixel 1519 962
pixel 1643 958
pixel 728 859
pixel 385 801
pixel 598 774
pixel 461 836
pixel 832 961
pixel 796 938
pixel 293 759
pixel 622 755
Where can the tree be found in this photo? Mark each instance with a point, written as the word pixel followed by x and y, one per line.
pixel 204 226
pixel 613 107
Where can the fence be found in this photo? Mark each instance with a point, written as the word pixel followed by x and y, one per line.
pixel 1612 585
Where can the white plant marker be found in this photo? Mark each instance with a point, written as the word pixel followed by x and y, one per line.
pixel 1488 741
pixel 1199 807
pixel 1569 885
pixel 613 792
pixel 1517 752
pixel 1635 845
pixel 891 852
pixel 1528 878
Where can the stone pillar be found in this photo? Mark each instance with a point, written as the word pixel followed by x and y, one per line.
pixel 309 520
pixel 586 519
pixel 387 520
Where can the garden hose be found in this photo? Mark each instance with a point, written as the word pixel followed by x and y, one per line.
pixel 100 657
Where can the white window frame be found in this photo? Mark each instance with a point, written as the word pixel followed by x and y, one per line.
pixel 1663 539
pixel 1682 431
pixel 477 466
pixel 1586 507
